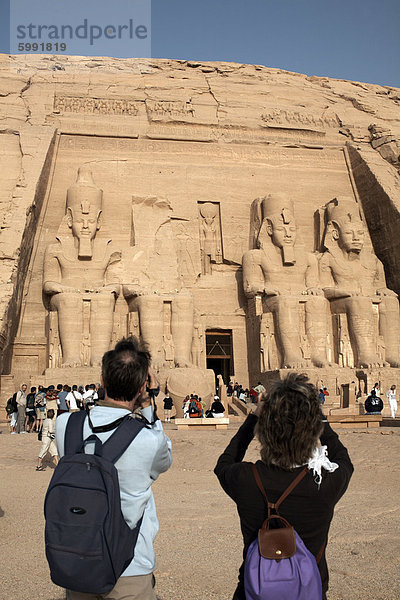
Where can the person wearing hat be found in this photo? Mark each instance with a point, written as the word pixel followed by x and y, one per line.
pixel 217 408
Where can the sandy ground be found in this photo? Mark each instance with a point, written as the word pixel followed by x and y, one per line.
pixel 199 543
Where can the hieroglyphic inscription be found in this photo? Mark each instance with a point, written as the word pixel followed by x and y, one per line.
pixel 95 106
pixel 277 116
pixel 169 108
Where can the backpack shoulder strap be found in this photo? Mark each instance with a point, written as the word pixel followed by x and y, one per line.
pixel 73 438
pixel 122 437
pixel 289 489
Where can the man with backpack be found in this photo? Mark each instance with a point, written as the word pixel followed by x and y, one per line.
pixel 122 434
pixel 195 408
pixel 296 484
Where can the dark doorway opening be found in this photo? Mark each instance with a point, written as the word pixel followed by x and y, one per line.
pixel 219 352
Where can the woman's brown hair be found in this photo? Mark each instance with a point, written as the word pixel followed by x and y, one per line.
pixel 290 422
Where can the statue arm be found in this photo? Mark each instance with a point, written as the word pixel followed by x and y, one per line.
pixel 112 280
pixel 331 290
pixel 312 277
pixel 253 279
pixel 52 273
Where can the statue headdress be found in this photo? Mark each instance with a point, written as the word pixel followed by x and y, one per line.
pixel 84 193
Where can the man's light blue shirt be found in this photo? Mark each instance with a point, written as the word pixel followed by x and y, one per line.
pixel 145 458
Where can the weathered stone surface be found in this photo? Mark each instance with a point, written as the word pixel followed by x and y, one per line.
pixel 209 139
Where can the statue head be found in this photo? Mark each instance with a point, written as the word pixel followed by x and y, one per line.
pixel 344 225
pixel 279 223
pixel 84 203
pixel 208 211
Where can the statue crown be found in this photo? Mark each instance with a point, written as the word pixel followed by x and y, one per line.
pixel 277 204
pixel 84 194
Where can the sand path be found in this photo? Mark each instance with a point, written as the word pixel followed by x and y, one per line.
pixel 199 544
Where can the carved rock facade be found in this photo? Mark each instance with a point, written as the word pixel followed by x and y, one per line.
pixel 192 165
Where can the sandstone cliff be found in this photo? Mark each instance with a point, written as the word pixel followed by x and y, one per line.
pixel 222 104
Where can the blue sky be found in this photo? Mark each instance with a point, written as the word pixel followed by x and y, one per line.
pixel 345 39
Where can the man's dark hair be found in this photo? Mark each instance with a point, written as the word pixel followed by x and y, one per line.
pixel 50 413
pixel 290 422
pixel 125 369
pixel 75 388
pixel 59 387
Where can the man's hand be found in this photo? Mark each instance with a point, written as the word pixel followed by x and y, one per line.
pixel 144 398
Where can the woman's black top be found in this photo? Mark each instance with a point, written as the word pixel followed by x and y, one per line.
pixel 308 508
pixel 168 404
pixel 217 407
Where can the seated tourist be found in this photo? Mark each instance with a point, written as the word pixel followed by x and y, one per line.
pixel 374 403
pixel 217 408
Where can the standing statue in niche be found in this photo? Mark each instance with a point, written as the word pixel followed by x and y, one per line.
pixel 168 347
pixel 353 279
pixel 209 237
pixel 285 275
pixel 267 343
pixel 197 343
pixel 152 281
pixel 79 277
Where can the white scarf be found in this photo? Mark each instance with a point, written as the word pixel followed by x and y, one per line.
pixel 318 460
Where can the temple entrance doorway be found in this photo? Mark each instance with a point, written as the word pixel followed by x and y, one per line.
pixel 219 352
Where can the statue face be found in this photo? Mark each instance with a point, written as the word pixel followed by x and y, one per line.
pixel 350 236
pixel 282 234
pixel 84 225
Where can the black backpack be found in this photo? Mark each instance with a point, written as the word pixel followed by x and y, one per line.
pixel 88 542
pixel 11 406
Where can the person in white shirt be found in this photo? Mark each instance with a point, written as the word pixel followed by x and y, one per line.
pixel 391 394
pixel 48 441
pixel 74 399
pixel 90 395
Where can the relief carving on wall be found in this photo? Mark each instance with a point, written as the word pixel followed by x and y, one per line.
pixel 210 236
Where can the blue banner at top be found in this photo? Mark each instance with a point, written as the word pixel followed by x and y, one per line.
pixel 121 28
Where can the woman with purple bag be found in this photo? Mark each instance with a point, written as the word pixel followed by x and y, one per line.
pixel 303 472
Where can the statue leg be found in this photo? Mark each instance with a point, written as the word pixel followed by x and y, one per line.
pixel 151 319
pixel 389 328
pixel 101 323
pixel 316 329
pixel 70 320
pixel 286 320
pixel 360 318
pixel 182 329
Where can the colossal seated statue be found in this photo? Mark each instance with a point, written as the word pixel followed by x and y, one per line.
pixel 354 281
pixel 153 287
pixel 286 277
pixel 80 278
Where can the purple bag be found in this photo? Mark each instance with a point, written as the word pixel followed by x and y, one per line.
pixel 278 565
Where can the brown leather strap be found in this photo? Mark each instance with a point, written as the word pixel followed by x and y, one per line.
pixel 258 481
pixel 290 488
pixel 286 493
pixel 320 553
